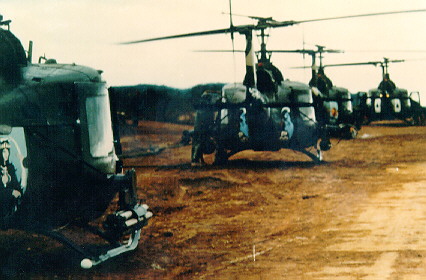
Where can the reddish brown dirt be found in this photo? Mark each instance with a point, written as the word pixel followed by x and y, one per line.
pixel 265 215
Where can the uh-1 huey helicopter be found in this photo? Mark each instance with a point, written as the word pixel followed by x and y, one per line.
pixel 265 112
pixel 387 102
pixel 333 104
pixel 58 161
pixel 338 111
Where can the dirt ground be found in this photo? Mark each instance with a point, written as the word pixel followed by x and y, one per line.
pixel 266 215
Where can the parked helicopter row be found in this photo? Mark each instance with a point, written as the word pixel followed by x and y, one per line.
pixel 267 113
pixel 387 101
pixel 60 144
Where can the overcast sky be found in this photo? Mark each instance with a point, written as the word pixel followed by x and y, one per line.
pixel 87 33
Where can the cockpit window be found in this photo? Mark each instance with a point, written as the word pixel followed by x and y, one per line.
pixel 307 113
pixel 99 125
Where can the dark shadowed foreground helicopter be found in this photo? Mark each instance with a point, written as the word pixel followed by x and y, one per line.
pixel 58 161
pixel 388 102
pixel 264 113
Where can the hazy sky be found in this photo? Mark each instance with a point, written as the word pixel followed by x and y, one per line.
pixel 87 33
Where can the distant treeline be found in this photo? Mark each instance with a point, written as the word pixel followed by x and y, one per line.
pixel 158 103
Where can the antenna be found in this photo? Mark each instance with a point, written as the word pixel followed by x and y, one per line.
pixel 30 52
pixel 231 24
pixel 232 39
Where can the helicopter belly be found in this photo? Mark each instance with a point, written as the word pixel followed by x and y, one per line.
pixel 267 132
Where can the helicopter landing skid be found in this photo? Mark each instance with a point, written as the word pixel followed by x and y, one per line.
pixel 316 158
pixel 134 220
pixel 121 229
pixel 117 225
pixel 132 243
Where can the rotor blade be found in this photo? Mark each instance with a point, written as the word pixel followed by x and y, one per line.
pixel 291 51
pixel 239 51
pixel 252 17
pixel 269 51
pixel 277 51
pixel 399 60
pixel 375 63
pixel 262 24
pixel 305 51
pixel 342 64
pixel 381 51
pixel 300 67
pixel 333 51
pixel 362 15
pixel 202 33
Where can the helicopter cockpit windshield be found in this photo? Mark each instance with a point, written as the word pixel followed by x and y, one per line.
pixel 100 133
pixel 95 117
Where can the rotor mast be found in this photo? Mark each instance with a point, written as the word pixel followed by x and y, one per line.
pixel 385 65
pixel 250 77
pixel 263 52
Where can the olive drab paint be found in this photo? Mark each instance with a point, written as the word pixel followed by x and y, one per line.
pixel 58 158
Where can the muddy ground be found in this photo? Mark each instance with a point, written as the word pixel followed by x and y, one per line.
pixel 266 215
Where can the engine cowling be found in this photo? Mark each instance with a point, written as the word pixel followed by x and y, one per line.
pixel 12 58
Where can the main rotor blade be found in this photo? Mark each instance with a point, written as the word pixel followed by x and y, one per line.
pixel 268 51
pixel 306 51
pixel 252 17
pixel 291 51
pixel 300 67
pixel 362 15
pixel 275 51
pixel 263 25
pixel 202 33
pixel 231 51
pixel 391 51
pixel 375 63
pixel 399 60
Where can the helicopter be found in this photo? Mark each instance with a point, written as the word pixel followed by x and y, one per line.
pixel 387 102
pixel 59 165
pixel 264 112
pixel 334 104
pixel 338 111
